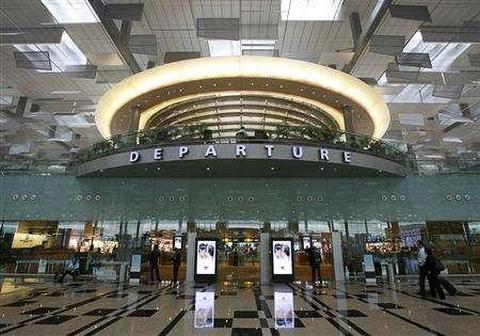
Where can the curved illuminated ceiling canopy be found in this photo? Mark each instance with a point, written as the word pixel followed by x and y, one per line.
pixel 328 89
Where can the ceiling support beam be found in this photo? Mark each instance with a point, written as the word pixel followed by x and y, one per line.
pixel 366 35
pixel 116 36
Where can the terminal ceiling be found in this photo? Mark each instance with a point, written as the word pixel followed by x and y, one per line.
pixel 433 97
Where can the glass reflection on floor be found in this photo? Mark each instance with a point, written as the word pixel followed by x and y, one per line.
pixel 204 309
pixel 283 305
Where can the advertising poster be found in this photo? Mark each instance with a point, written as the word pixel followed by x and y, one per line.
pixel 307 242
pixel 204 308
pixel 206 257
pixel 177 243
pixel 283 302
pixel 282 257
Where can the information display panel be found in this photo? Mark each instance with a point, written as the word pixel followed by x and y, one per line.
pixel 282 260
pixel 178 242
pixel 283 304
pixel 205 260
pixel 204 309
pixel 306 242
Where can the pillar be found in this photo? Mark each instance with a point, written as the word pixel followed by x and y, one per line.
pixel 191 237
pixel 338 257
pixel 264 250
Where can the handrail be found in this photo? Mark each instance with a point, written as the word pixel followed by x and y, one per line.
pixel 203 133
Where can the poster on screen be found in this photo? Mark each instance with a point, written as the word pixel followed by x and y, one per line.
pixel 282 257
pixel 178 243
pixel 307 242
pixel 206 257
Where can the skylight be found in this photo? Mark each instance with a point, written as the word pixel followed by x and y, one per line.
pixel 224 48
pixel 61 54
pixel 442 54
pixel 258 44
pixel 311 10
pixel 235 48
pixel 71 11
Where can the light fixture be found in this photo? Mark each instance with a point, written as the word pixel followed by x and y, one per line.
pixel 224 48
pixel 71 11
pixel 61 54
pixel 310 10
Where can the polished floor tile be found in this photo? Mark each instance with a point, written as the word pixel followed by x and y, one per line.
pixel 223 309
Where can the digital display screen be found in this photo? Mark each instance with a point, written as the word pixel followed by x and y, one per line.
pixel 204 309
pixel 177 243
pixel 282 257
pixel 307 242
pixel 206 257
pixel 283 304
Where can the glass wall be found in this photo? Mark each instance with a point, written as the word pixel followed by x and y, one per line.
pixel 103 247
pixel 456 243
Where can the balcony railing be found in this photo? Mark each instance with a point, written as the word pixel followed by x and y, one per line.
pixel 197 134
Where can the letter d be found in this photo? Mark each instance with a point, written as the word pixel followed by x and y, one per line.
pixel 134 156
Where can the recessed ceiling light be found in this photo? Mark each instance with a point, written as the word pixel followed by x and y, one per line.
pixel 208 168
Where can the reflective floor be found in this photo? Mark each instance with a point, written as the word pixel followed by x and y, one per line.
pixel 222 309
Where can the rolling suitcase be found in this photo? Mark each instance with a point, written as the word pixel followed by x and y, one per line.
pixel 447 285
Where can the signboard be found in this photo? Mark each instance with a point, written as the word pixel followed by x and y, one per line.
pixel 42 266
pixel 283 304
pixel 205 260
pixel 204 309
pixel 178 243
pixel 369 270
pixel 282 260
pixel 306 242
pixel 135 269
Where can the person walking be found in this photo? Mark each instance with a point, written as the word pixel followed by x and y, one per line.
pixel 177 261
pixel 72 268
pixel 434 267
pixel 315 259
pixel 153 259
pixel 422 259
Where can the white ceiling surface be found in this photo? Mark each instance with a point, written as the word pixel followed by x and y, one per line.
pixel 173 22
